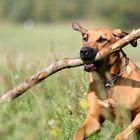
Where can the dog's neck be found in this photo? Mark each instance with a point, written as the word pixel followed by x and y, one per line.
pixel 113 68
pixel 116 62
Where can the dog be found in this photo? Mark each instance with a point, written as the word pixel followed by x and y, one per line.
pixel 120 78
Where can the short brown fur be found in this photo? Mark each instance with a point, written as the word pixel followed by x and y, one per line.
pixel 125 92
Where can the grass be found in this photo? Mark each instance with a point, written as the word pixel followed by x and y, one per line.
pixel 56 107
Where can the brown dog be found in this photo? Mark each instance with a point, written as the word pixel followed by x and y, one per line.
pixel 121 80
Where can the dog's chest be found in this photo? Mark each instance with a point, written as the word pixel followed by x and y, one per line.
pixel 127 97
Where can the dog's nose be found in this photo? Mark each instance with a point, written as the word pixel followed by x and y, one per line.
pixel 84 51
pixel 88 53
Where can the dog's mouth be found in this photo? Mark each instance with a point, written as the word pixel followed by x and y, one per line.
pixel 87 54
pixel 90 67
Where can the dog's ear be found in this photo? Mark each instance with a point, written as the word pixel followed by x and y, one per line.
pixel 76 26
pixel 118 33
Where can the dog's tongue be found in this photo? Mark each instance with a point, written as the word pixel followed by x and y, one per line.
pixel 90 67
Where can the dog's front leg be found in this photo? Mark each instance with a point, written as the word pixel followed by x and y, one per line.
pixel 133 127
pixel 92 121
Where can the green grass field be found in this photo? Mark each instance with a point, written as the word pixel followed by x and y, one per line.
pixel 53 109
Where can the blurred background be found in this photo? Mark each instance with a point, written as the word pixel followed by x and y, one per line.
pixel 43 24
pixel 35 33
pixel 119 13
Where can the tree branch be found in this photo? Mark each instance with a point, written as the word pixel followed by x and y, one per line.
pixel 63 64
pixel 134 35
pixel 38 77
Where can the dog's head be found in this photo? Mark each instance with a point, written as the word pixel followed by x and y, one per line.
pixel 95 40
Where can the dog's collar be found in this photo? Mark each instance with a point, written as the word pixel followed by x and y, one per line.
pixel 111 82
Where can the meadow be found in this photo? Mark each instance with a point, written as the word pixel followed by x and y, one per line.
pixel 53 109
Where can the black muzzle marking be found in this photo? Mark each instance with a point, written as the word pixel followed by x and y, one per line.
pixel 87 54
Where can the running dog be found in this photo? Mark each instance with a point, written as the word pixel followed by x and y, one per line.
pixel 120 78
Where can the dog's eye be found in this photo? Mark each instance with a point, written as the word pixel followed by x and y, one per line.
pixel 85 37
pixel 101 40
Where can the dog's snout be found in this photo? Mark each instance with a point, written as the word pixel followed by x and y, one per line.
pixel 88 53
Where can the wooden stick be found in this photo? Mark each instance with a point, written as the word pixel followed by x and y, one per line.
pixel 135 34
pixel 38 77
pixel 63 64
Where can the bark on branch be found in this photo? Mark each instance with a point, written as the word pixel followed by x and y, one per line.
pixel 38 77
pixel 63 64
pixel 134 35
